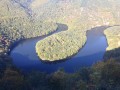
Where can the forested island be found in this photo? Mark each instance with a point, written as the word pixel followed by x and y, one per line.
pixel 24 19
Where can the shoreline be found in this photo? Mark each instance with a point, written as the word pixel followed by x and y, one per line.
pixel 14 44
pixel 68 57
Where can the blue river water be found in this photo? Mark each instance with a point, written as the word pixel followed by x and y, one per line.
pixel 25 57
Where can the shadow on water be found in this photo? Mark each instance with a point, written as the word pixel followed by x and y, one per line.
pixel 91 34
pixel 72 65
pixel 25 57
pixel 61 27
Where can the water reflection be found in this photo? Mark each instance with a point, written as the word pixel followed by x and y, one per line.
pixel 25 57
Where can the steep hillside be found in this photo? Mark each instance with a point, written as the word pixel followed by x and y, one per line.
pixel 113 38
pixel 10 9
pixel 15 24
pixel 79 15
pixel 32 18
pixel 97 12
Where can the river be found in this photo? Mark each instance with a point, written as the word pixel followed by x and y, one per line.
pixel 25 57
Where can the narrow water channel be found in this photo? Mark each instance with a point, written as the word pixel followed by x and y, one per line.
pixel 26 59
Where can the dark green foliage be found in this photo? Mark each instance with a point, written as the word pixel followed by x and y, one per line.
pixel 15 25
pixel 106 74
pixel 101 76
pixel 115 54
pixel 11 80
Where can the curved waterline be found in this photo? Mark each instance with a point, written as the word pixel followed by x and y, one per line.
pixel 60 28
pixel 92 52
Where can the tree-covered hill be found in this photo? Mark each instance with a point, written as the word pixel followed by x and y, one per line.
pixel 22 19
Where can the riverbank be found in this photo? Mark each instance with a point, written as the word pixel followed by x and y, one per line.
pixel 14 31
pixel 92 52
pixel 52 48
pixel 58 29
pixel 113 38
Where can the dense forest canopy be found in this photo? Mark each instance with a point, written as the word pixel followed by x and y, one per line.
pixel 79 15
pixel 23 19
